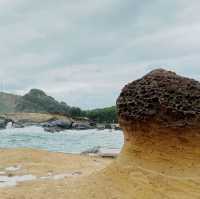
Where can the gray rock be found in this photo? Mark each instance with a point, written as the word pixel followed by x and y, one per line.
pixel 52 129
pixel 81 126
pixel 57 126
pixel 58 123
pixel 3 123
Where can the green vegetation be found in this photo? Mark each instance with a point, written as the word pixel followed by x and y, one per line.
pixel 36 101
pixel 104 115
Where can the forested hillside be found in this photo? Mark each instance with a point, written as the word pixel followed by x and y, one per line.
pixel 37 101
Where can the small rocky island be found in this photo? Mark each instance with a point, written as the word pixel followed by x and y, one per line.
pixel 37 108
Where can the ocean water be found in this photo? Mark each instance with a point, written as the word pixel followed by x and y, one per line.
pixel 69 141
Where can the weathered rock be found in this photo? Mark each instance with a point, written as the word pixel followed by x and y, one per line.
pixel 163 97
pixel 159 115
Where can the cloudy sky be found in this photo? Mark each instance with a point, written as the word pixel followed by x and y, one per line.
pixel 84 51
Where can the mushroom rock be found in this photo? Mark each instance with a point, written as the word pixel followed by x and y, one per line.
pixel 161 97
pixel 160 118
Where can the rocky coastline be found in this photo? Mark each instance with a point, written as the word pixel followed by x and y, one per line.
pixel 51 122
pixel 160 117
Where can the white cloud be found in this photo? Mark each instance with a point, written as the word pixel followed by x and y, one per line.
pixel 83 52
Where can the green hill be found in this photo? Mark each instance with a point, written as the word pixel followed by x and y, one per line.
pixel 36 101
pixel 108 115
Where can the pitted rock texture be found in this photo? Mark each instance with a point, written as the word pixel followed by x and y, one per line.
pixel 161 96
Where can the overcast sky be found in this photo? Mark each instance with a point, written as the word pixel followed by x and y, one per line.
pixel 84 51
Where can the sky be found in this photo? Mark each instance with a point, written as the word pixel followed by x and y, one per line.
pixel 84 51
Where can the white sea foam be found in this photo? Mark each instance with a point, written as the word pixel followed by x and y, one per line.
pixel 12 181
pixel 68 141
pixel 6 181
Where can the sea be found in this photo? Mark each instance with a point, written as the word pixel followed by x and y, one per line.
pixel 68 141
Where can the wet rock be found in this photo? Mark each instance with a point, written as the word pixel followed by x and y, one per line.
pixel 94 150
pixel 57 125
pixel 81 126
pixel 60 123
pixel 53 129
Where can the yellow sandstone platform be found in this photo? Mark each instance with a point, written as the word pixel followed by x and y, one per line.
pixel 52 173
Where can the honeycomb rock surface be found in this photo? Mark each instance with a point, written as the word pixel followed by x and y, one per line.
pixel 163 97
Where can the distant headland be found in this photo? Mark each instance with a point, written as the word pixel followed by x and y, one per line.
pixel 36 107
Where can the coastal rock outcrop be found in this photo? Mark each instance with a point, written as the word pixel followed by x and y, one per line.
pixel 163 97
pixel 160 118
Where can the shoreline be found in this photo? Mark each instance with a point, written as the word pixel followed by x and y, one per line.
pixel 52 122
pixel 68 141
pixel 111 153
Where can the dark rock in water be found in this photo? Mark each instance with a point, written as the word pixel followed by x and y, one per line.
pixel 81 126
pixel 100 126
pixel 108 126
pixel 94 150
pixel 53 129
pixel 162 97
pixel 62 124
pixel 57 125
pixel 3 123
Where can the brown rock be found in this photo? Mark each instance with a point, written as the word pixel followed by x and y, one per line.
pixel 160 118
pixel 159 115
pixel 161 97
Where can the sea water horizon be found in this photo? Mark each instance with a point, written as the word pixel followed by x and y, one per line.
pixel 68 141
